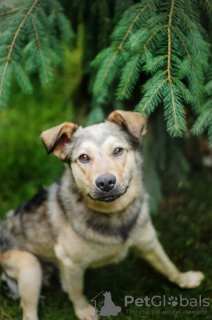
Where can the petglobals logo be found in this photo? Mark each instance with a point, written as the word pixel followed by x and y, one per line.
pixel 158 301
pixel 104 305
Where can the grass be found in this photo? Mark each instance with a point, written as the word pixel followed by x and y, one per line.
pixel 184 228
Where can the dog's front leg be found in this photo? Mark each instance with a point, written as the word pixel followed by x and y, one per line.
pixel 157 257
pixel 72 277
pixel 161 262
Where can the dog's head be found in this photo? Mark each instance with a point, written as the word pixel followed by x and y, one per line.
pixel 102 157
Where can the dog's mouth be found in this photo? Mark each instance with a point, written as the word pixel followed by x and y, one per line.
pixel 107 198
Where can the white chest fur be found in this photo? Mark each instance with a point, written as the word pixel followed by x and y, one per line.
pixel 72 248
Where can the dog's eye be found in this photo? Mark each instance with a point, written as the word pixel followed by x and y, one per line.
pixel 84 158
pixel 118 151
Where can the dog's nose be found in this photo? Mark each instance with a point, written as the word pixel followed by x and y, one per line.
pixel 106 182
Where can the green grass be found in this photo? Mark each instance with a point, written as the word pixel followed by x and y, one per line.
pixel 184 228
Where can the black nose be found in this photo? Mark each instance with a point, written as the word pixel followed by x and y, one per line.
pixel 106 182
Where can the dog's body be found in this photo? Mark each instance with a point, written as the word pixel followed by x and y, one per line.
pixel 95 213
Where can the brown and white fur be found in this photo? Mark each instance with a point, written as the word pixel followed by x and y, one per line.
pixel 92 216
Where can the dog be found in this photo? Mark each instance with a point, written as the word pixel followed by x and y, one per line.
pixel 91 217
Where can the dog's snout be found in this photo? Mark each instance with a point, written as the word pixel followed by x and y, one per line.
pixel 106 182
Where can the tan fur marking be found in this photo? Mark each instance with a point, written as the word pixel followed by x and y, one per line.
pixel 25 268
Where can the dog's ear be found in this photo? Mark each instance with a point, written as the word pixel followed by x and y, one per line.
pixel 133 122
pixel 56 138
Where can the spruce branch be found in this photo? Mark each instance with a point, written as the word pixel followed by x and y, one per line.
pixel 195 79
pixel 9 11
pixel 156 63
pixel 176 114
pixel 202 121
pixel 102 78
pixel 22 78
pixel 131 73
pixel 40 50
pixel 169 26
pixel 167 42
pixel 192 29
pixel 149 27
pixel 153 96
pixel 175 124
pixel 31 38
pixel 129 30
pixel 209 4
pixel 11 48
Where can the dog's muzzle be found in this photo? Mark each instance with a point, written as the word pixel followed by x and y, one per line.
pixel 111 194
pixel 105 182
pixel 105 198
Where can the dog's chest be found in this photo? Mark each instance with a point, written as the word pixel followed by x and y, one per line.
pixel 72 248
pixel 109 256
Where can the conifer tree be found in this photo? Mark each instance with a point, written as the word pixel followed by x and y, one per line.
pixel 151 55
pixel 166 42
pixel 31 35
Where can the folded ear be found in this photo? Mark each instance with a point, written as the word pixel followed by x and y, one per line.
pixel 133 122
pixel 56 138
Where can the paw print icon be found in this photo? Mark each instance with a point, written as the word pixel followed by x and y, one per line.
pixel 172 301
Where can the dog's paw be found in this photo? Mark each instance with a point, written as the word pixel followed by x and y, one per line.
pixel 190 279
pixel 88 312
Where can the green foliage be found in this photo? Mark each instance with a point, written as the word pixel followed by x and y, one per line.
pixel 31 35
pixel 148 55
pixel 156 149
pixel 163 47
pixel 24 164
pixel 204 120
